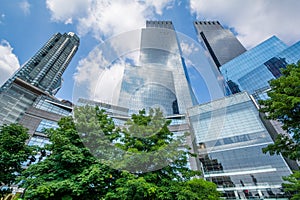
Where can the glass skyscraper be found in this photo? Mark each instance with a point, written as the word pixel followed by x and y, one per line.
pixel 221 43
pixel 230 135
pixel 161 79
pixel 253 70
pixel 40 75
pixel 44 70
pixel 26 98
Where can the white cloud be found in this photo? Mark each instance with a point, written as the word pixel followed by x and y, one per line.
pixel 88 72
pixel 188 48
pixel 253 20
pixel 109 84
pixel 126 45
pixel 98 76
pixel 108 18
pixel 9 63
pixel 101 61
pixel 65 11
pixel 25 7
pixel 105 18
pixel 159 5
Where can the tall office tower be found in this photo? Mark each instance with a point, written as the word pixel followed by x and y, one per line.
pixel 252 70
pixel 41 75
pixel 230 134
pixel 44 70
pixel 221 43
pixel 161 79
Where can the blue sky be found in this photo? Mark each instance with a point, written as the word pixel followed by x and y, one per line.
pixel 26 25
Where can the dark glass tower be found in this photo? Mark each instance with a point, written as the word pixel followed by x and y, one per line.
pixel 221 43
pixel 44 70
pixel 40 76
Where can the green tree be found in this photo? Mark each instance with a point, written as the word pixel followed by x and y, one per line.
pixel 284 106
pixel 136 187
pixel 149 145
pixel 13 151
pixel 293 185
pixel 198 189
pixel 70 172
pixel 158 162
pixel 118 163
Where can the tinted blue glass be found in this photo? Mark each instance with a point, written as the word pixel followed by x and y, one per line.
pixel 274 65
pixel 253 70
pixel 49 106
pixel 160 80
pixel 46 124
pixel 38 141
pixel 230 137
pixel 291 54
pixel 251 59
pixel 256 79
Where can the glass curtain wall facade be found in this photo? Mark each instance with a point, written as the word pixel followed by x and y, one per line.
pixel 41 75
pixel 16 99
pixel 220 43
pixel 44 113
pixel 160 80
pixel 44 70
pixel 230 136
pixel 288 56
pixel 253 70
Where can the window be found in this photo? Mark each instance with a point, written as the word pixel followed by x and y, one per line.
pixel 46 124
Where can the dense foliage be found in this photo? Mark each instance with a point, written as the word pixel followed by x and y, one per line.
pixel 70 172
pixel 284 106
pixel 13 151
pixel 293 185
pixel 73 171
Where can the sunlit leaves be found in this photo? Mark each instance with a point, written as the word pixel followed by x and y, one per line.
pixel 13 151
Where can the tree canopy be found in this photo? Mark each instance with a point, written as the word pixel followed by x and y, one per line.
pixel 77 169
pixel 293 185
pixel 284 106
pixel 13 151
pixel 70 172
